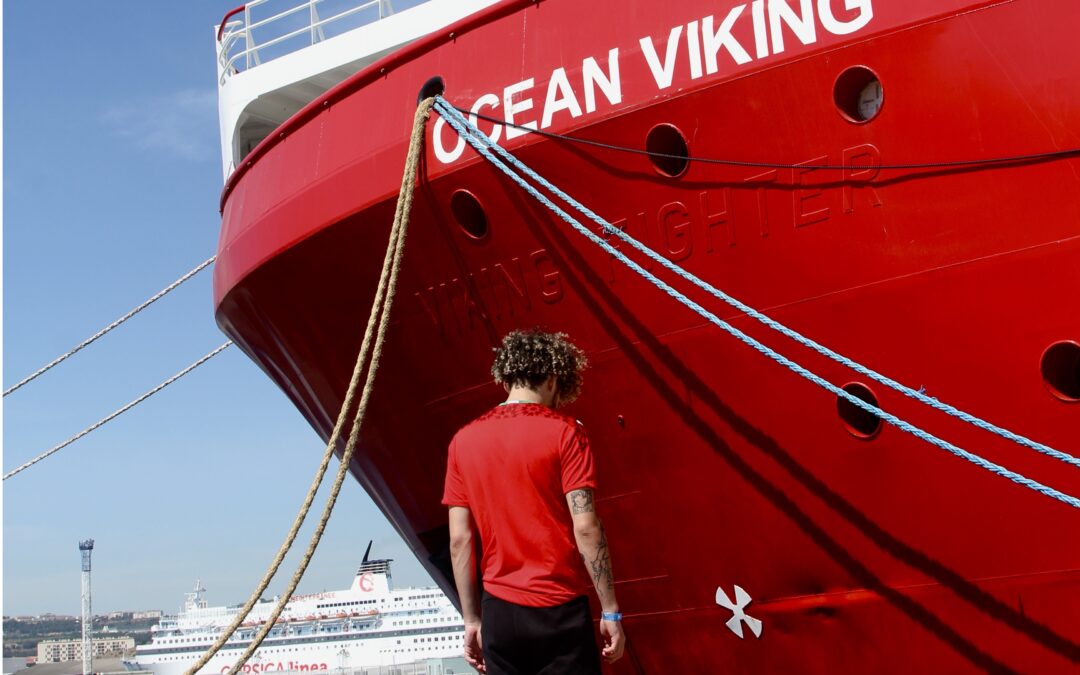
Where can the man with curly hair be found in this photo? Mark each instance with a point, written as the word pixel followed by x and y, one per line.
pixel 520 482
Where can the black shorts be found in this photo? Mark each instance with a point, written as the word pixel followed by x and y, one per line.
pixel 522 640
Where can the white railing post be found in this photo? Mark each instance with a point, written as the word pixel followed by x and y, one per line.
pixel 247 38
pixel 318 21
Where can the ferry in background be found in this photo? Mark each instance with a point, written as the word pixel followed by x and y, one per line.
pixel 758 523
pixel 367 626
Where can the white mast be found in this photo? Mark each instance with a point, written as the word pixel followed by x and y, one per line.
pixel 86 547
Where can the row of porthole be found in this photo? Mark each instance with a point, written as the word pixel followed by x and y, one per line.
pixel 859 96
pixel 1060 368
pixel 857 93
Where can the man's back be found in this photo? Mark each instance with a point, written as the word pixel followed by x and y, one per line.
pixel 520 488
pixel 512 467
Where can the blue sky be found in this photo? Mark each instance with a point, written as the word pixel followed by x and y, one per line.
pixel 111 183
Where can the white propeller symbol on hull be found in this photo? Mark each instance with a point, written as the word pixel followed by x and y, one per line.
pixel 742 599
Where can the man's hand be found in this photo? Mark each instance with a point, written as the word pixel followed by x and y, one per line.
pixel 614 641
pixel 474 647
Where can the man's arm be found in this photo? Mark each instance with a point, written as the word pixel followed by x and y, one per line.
pixel 593 546
pixel 463 555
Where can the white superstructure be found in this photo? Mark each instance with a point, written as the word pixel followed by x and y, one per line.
pixel 368 625
pixel 276 56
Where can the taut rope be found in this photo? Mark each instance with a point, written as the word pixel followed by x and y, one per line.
pixel 377 323
pixel 93 338
pixel 488 149
pixel 100 423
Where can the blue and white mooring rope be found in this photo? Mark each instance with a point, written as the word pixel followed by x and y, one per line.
pixel 777 326
pixel 483 145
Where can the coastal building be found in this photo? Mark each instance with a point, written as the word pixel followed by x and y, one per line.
pixel 58 651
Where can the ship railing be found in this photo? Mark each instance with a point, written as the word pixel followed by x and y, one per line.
pixel 294 28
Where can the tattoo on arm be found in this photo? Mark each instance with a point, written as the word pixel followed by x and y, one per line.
pixel 600 565
pixel 581 501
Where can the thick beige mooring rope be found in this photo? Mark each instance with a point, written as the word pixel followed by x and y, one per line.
pixel 380 315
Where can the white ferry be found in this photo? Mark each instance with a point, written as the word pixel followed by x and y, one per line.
pixel 369 625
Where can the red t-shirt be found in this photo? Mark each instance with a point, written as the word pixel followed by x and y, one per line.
pixel 512 468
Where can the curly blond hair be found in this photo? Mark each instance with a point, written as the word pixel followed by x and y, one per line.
pixel 529 357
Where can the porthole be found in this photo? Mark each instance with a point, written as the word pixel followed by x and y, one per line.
pixel 1060 368
pixel 672 153
pixel 858 422
pixel 858 94
pixel 469 213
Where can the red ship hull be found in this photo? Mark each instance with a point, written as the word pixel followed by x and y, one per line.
pixel 718 467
